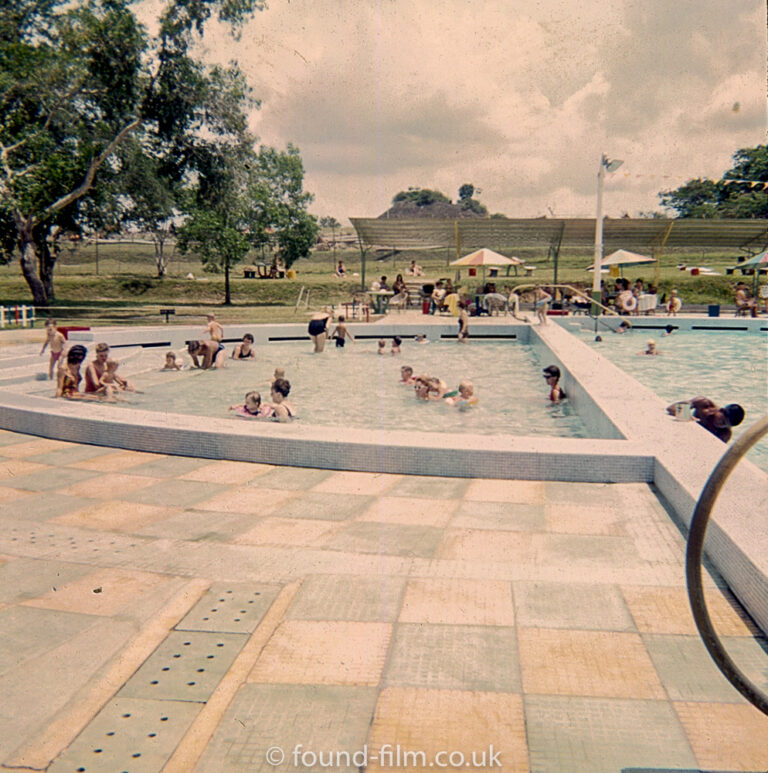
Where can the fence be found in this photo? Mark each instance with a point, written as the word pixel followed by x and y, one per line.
pixel 17 315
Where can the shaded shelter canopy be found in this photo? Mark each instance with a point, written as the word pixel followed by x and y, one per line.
pixel 485 257
pixel 757 262
pixel 622 258
pixel 642 234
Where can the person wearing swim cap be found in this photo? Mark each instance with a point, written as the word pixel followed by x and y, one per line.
pixel 718 421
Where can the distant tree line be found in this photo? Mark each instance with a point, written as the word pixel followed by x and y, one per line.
pixel 742 192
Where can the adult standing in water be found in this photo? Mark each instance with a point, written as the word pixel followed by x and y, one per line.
pixel 212 352
pixel 318 329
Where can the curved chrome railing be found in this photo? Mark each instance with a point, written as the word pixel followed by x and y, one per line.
pixel 694 552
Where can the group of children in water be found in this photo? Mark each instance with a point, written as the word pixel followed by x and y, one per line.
pixel 433 388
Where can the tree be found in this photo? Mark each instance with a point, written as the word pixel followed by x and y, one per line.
pixel 219 225
pixel 333 224
pixel 278 196
pixel 422 197
pixel 741 193
pixel 467 191
pixel 244 199
pixel 467 203
pixel 77 80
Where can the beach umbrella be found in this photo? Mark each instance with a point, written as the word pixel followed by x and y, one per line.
pixel 485 257
pixel 756 262
pixel 622 258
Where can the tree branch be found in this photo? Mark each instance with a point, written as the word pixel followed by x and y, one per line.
pixel 87 182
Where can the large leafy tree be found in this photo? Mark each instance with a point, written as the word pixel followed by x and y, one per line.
pixel 244 199
pixel 78 78
pixel 741 193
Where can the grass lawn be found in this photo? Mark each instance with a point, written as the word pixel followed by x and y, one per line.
pixel 119 285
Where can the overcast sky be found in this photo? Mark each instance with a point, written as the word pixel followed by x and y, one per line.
pixel 518 97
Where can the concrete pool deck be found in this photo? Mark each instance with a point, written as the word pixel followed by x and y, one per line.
pixel 181 614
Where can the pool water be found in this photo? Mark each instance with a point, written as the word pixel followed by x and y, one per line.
pixel 356 387
pixel 726 367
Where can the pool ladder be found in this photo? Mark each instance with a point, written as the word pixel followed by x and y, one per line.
pixel 693 556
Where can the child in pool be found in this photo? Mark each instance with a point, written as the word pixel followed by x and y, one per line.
pixel 421 339
pixel 253 408
pixel 465 396
pixel 278 374
pixel 341 332
pixel 396 341
pixel 55 341
pixel 651 350
pixel 171 363
pixel 110 377
pixel 382 346
pixel 406 375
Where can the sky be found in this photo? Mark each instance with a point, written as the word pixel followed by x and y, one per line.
pixel 518 97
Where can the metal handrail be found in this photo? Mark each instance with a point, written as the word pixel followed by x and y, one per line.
pixel 575 290
pixel 693 556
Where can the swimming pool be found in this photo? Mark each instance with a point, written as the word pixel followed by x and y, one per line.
pixel 355 387
pixel 724 366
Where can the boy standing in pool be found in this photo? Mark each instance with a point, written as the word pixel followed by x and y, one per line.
pixel 55 340
pixel 341 332
pixel 214 329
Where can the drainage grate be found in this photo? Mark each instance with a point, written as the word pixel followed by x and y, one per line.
pixel 187 666
pixel 228 607
pixel 128 736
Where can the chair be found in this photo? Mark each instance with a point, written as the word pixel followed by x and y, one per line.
pixel 399 301
pixel 646 304
pixel 495 302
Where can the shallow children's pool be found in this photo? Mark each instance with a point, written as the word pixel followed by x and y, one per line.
pixel 355 387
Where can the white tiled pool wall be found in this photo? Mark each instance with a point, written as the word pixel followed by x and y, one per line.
pixel 676 457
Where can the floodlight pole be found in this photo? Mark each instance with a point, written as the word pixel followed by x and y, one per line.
pixel 611 166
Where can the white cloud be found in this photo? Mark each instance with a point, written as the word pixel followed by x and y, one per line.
pixel 518 97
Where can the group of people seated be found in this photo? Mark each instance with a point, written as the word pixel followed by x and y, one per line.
pixel 102 381
pixel 745 303
pixel 627 298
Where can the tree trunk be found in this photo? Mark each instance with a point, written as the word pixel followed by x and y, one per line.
pixel 47 258
pixel 28 263
pixel 160 260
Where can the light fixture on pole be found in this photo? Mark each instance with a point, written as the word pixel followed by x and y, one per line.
pixel 606 165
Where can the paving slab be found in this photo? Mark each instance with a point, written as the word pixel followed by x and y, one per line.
pixel 230 608
pixel 454 657
pixel 571 605
pixel 287 717
pixel 594 735
pixel 128 735
pixel 187 666
pixel 343 597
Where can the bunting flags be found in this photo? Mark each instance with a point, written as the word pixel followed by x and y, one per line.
pixel 762 184
pixel 754 184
